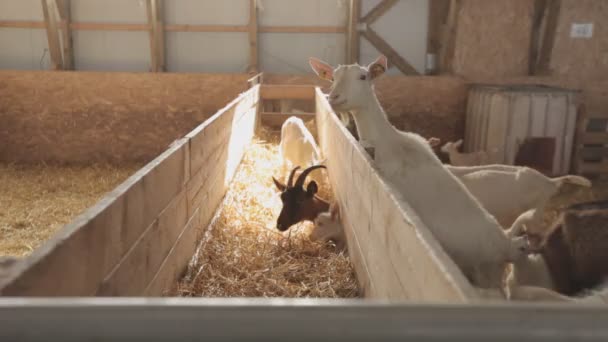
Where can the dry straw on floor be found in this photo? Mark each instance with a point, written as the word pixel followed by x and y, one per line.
pixel 244 255
pixel 37 200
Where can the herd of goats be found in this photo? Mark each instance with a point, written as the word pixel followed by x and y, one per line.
pixel 488 218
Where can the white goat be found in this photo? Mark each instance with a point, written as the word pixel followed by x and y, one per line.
pixel 508 194
pixel 469 159
pixel 328 227
pixel 298 146
pixel 467 232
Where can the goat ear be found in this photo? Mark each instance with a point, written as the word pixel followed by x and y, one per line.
pixel 279 185
pixel 312 188
pixel 378 67
pixel 322 69
pixel 458 143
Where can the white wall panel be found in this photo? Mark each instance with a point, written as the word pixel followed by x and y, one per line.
pixel 404 27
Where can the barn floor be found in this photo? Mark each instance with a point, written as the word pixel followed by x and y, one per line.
pixel 244 255
pixel 37 200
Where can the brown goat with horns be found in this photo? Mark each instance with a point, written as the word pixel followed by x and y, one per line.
pixel 299 204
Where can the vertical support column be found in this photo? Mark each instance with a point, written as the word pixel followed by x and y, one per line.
pixel 540 7
pixel 65 15
pixel 253 37
pixel 49 10
pixel 160 34
pixel 438 13
pixel 449 47
pixel 352 32
pixel 156 30
pixel 546 49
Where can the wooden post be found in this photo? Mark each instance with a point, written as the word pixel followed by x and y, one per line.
pixel 49 10
pixel 352 32
pixel 160 35
pixel 392 55
pixel 449 47
pixel 380 44
pixel 438 13
pixel 253 37
pixel 546 49
pixel 156 31
pixel 64 9
pixel 540 7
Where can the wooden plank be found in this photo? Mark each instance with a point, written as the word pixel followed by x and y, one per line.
pixel 142 262
pixel 540 7
pixel 160 36
pixel 174 265
pixel 593 168
pixel 79 26
pixel 23 24
pixel 65 14
pixel 392 55
pixel 302 29
pixel 546 49
pixel 592 138
pixel 153 31
pixel 277 119
pixel 438 13
pixel 214 132
pixel 49 8
pixel 352 32
pixel 253 37
pixel 279 92
pixel 80 255
pixel 92 26
pixel 378 11
pixel 449 39
pixel 254 319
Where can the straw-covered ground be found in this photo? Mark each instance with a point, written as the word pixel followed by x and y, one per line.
pixel 244 255
pixel 37 200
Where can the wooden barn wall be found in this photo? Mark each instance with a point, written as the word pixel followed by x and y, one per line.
pixel 492 38
pixel 395 255
pixel 430 106
pixel 82 117
pixel 138 239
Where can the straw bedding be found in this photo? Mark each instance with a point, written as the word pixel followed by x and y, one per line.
pixel 37 200
pixel 244 255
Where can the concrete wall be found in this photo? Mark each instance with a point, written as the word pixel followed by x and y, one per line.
pixel 404 27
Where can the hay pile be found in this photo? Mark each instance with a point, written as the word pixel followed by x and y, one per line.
pixel 244 255
pixel 37 200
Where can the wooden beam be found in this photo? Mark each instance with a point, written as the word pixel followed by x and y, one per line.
pixel 277 119
pixel 281 92
pixel 302 29
pixel 438 13
pixel 151 11
pixel 89 26
pixel 546 49
pixel 352 32
pixel 253 37
pixel 49 10
pixel 540 7
pixel 65 15
pixel 449 45
pixel 23 24
pixel 160 35
pixel 109 27
pixel 392 55
pixel 378 11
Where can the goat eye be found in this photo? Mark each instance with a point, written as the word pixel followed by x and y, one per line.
pixel 363 77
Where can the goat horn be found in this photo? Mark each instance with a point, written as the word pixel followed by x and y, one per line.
pixel 290 180
pixel 304 174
